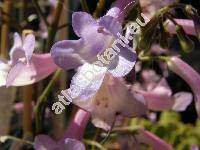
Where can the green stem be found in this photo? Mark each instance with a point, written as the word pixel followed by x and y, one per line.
pixel 54 26
pixel 8 137
pixel 40 13
pixel 150 58
pixel 42 101
pixel 94 143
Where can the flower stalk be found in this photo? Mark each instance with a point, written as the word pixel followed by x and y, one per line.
pixel 40 107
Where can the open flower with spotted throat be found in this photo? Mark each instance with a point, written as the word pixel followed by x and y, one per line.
pixel 104 96
pixel 96 87
pixel 24 67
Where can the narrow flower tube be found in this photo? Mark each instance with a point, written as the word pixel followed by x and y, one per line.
pixel 188 74
pixel 152 140
pixel 77 126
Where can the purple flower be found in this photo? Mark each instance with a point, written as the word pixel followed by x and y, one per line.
pixel 94 88
pixel 104 96
pixel 71 138
pixel 188 74
pixel 25 67
pixel 160 98
pixel 100 43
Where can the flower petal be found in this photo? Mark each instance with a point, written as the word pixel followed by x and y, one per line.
pixel 121 8
pixel 163 88
pixel 126 102
pixel 44 142
pixel 71 144
pixel 125 64
pixel 111 24
pixel 181 101
pixel 150 79
pixel 17 41
pixel 81 22
pixel 87 81
pixel 113 99
pixel 4 68
pixel 14 72
pixel 65 53
pixel 28 46
pixel 40 67
pixel 16 51
pixel 160 97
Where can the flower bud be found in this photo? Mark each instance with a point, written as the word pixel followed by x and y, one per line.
pixel 192 13
pixel 186 43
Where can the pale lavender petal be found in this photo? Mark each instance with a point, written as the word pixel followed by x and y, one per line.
pixel 126 61
pixel 16 54
pixel 126 102
pixel 28 46
pixel 160 97
pixel 65 53
pixel 44 142
pixel 40 67
pixel 188 74
pixel 123 67
pixel 150 79
pixel 181 101
pixel 120 9
pixel 157 101
pixel 4 68
pixel 152 140
pixel 81 22
pixel 91 46
pixel 71 144
pixel 188 26
pixel 163 88
pixel 111 24
pixel 87 81
pixel 114 98
pixel 14 73
pixel 16 51
pixel 17 40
